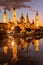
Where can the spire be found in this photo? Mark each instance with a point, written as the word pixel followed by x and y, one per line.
pixel 27 18
pixel 33 22
pixel 14 8
pixel 5 20
pixel 14 15
pixel 37 19
pixel 4 11
pixel 22 15
pixel 22 18
pixel 27 15
pixel 37 16
pixel 37 13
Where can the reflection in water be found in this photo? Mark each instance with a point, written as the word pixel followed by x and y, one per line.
pixel 22 44
pixel 14 50
pixel 5 49
pixel 13 44
pixel 19 48
pixel 36 45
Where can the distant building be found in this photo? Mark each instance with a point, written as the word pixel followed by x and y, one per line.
pixel 3 26
pixel 32 25
pixel 37 19
pixel 22 19
pixel 14 20
pixel 5 18
pixel 27 21
pixel 23 23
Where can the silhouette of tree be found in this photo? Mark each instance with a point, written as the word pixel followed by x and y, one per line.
pixel 17 29
pixel 3 38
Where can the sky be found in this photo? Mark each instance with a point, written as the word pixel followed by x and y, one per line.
pixel 22 6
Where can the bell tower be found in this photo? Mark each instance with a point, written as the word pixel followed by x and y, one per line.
pixel 5 20
pixel 37 19
pixel 14 16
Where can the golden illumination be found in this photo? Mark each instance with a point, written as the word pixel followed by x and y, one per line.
pixel 12 27
pixel 5 49
pixel 37 23
pixel 27 22
pixel 14 50
pixel 37 20
pixel 22 43
pixel 14 16
pixel 36 45
pixel 5 20
pixel 22 19
pixel 12 43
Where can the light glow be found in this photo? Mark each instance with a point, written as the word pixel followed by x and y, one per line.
pixel 12 43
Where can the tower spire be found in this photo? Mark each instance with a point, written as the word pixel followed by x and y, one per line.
pixel 14 15
pixel 37 19
pixel 22 19
pixel 5 20
pixel 27 19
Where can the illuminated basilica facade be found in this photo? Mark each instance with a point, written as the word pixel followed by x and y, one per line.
pixel 23 22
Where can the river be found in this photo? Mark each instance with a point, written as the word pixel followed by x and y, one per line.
pixel 22 51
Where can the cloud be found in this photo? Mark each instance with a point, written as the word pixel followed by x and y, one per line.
pixel 8 4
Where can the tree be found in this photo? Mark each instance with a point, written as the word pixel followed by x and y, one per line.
pixel 17 29
pixel 3 38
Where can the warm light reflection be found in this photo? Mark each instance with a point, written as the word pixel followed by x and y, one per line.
pixel 5 20
pixel 12 27
pixel 14 16
pixel 26 46
pixel 5 49
pixel 22 43
pixel 14 50
pixel 12 43
pixel 36 45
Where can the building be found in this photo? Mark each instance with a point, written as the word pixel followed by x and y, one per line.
pixel 5 17
pixel 22 19
pixel 3 26
pixel 23 23
pixel 37 19
pixel 27 22
pixel 32 25
pixel 14 17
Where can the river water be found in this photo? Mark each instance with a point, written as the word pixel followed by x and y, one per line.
pixel 22 51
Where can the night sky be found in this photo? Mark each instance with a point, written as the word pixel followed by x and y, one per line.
pixel 23 6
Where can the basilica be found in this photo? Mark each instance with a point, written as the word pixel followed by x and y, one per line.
pixel 23 22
